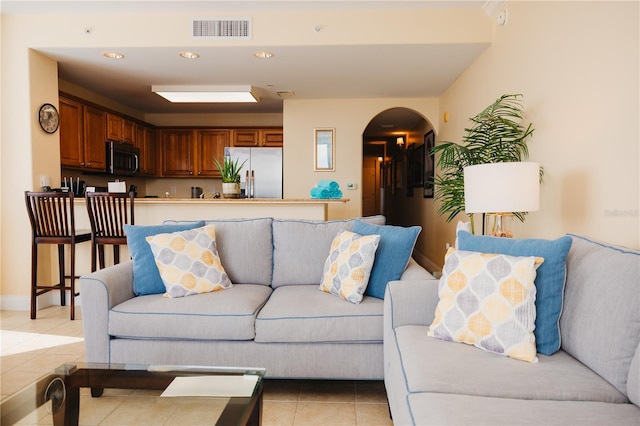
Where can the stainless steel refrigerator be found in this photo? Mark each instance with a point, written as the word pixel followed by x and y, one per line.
pixel 261 175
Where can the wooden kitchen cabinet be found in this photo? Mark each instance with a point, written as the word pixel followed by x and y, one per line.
pixel 120 129
pixel 128 131
pixel 257 137
pixel 178 152
pixel 187 153
pixel 114 127
pixel 210 146
pixel 145 140
pixel 95 126
pixel 82 136
pixel 272 137
pixel 71 133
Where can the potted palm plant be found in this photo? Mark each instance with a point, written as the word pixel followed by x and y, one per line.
pixel 230 173
pixel 496 135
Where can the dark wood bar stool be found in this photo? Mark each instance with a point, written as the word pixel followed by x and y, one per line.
pixel 108 213
pixel 53 222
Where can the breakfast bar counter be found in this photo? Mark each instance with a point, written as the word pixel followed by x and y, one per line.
pixel 154 211
pixel 150 211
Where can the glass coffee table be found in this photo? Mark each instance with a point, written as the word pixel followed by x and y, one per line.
pixel 171 394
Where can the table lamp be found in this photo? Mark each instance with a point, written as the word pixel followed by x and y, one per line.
pixel 499 190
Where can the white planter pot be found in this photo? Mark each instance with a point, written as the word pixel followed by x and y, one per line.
pixel 231 189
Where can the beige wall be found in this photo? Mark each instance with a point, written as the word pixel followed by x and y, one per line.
pixel 576 63
pixel 350 118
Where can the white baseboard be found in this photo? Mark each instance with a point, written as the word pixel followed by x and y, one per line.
pixel 23 303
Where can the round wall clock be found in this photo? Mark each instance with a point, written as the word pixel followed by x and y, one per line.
pixel 49 118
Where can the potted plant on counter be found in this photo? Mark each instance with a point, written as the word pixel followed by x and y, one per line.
pixel 230 173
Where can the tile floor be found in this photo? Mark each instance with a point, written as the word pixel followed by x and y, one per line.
pixel 30 349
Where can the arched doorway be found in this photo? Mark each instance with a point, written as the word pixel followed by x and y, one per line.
pixel 384 163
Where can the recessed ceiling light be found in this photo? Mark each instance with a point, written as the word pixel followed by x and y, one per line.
pixel 263 54
pixel 113 55
pixel 190 55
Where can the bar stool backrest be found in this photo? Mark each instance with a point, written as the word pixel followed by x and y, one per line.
pixel 51 214
pixel 108 213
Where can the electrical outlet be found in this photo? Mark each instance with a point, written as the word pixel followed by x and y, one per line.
pixel 352 185
pixel 173 190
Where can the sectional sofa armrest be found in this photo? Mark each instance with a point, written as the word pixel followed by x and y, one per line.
pixel 410 302
pixel 99 292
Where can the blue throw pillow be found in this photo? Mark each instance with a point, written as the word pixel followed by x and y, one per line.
pixel 146 277
pixel 549 280
pixel 393 254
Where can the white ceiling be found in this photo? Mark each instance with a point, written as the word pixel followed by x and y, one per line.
pixel 311 72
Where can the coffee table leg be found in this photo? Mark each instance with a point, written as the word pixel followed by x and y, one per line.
pixel 69 414
pixel 255 419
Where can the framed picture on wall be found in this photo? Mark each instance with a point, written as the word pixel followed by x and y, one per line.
pixel 429 164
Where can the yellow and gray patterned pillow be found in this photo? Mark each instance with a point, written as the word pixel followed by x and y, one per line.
pixel 348 266
pixel 488 300
pixel 188 262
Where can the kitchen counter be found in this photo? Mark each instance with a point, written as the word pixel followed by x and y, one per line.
pixel 154 211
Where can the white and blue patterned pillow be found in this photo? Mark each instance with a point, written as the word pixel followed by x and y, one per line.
pixel 348 266
pixel 188 262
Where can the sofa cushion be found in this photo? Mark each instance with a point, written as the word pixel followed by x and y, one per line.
pixel 348 266
pixel 300 248
pixel 550 278
pixel 301 313
pixel 228 315
pixel 245 247
pixel 393 255
pixel 432 365
pixel 488 301
pixel 446 409
pixel 188 262
pixel 146 278
pixel 600 322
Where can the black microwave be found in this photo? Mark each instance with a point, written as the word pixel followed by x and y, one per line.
pixel 122 158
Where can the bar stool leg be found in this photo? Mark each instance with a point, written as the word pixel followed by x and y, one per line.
pixel 61 272
pixel 73 282
pixel 34 279
pixel 101 255
pixel 93 257
pixel 116 254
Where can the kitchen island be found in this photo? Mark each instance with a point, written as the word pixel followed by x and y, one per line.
pixel 150 211
pixel 154 211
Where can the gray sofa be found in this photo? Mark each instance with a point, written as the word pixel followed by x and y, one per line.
pixel 593 379
pixel 274 316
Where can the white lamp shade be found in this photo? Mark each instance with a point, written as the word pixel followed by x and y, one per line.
pixel 502 187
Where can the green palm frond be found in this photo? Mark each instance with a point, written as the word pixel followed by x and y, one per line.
pixel 496 135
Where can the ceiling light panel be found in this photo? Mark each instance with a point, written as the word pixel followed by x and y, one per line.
pixel 206 94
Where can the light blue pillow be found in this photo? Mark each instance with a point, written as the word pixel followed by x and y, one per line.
pixel 146 277
pixel 393 254
pixel 549 280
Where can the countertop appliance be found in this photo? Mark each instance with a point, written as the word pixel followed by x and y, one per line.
pixel 122 158
pixel 261 175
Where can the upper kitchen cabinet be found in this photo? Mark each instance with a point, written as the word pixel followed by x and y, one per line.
pixel 145 140
pixel 178 152
pixel 190 153
pixel 120 129
pixel 71 133
pixel 257 137
pixel 210 147
pixel 95 124
pixel 83 131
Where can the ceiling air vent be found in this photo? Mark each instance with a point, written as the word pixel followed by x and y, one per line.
pixel 238 28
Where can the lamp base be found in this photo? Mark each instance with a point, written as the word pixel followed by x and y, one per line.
pixel 499 224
